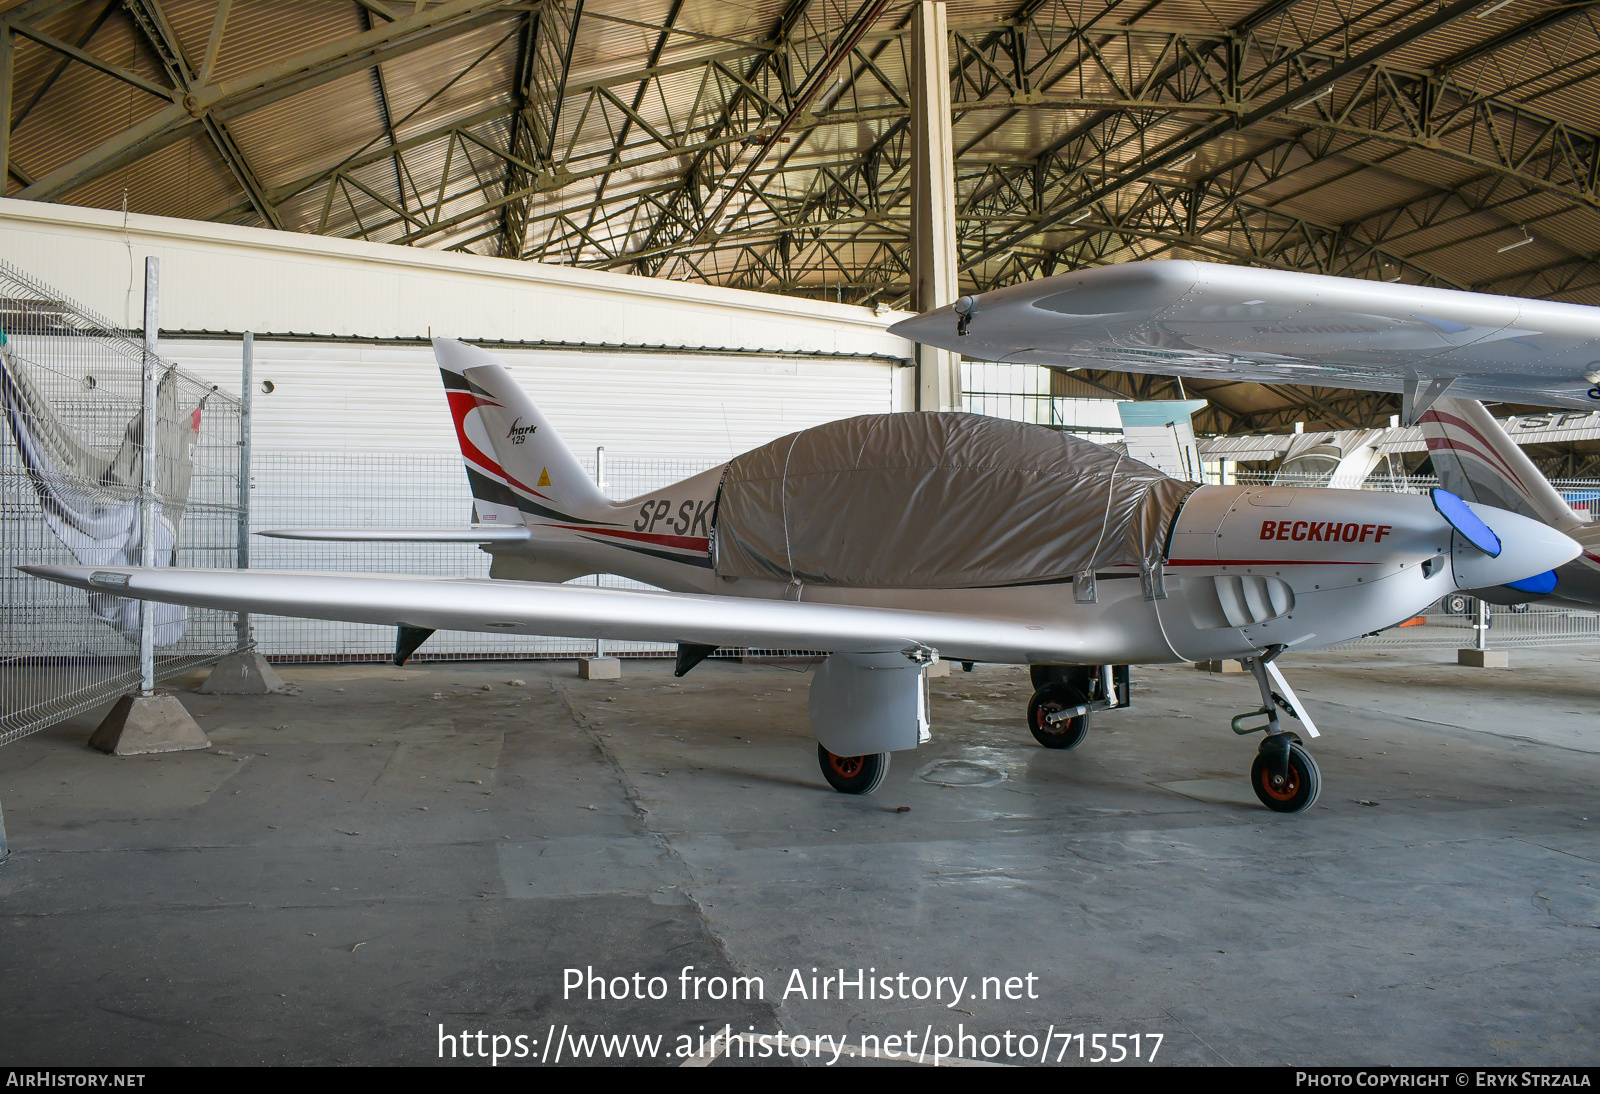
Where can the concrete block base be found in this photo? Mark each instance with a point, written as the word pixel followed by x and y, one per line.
pixel 599 668
pixel 244 673
pixel 1226 667
pixel 1484 659
pixel 938 669
pixel 142 723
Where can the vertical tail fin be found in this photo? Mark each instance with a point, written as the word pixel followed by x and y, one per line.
pixel 516 462
pixel 1475 459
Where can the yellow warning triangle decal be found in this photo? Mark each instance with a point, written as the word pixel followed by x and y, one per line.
pixel 544 477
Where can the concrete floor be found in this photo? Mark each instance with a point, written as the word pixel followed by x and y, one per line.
pixel 391 850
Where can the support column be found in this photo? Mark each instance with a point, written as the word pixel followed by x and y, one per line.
pixel 935 280
pixel 246 391
pixel 599 667
pixel 1480 656
pixel 144 720
pixel 244 671
pixel 148 449
pixel 8 53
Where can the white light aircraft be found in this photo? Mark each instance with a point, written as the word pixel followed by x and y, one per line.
pixel 892 540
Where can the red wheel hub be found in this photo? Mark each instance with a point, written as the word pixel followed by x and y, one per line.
pixel 1283 790
pixel 847 767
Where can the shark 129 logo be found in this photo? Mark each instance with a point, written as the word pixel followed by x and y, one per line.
pixel 520 432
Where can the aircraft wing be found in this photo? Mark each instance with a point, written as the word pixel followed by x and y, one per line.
pixel 579 611
pixel 1271 326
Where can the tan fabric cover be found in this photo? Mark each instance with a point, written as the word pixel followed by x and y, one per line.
pixel 938 501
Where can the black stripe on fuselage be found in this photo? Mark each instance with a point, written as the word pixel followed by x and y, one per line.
pixel 703 561
pixel 486 489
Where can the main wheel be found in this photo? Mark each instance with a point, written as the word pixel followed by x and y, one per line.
pixel 1048 700
pixel 853 774
pixel 1295 792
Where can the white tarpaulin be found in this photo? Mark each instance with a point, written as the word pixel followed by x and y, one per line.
pixel 89 497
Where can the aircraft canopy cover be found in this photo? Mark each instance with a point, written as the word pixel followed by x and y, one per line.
pixel 939 501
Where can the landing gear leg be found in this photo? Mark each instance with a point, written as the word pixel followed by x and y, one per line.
pixel 1284 776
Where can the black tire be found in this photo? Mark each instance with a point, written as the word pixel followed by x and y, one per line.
pixel 1456 604
pixel 1295 794
pixel 1050 698
pixel 853 774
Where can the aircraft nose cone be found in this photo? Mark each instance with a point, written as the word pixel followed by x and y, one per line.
pixel 1527 548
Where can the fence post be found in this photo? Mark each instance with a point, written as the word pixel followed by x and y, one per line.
pixel 1480 626
pixel 600 481
pixel 246 386
pixel 147 461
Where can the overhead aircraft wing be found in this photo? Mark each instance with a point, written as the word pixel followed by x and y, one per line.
pixel 581 611
pixel 1202 320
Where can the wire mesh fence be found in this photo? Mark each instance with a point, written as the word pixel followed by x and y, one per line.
pixel 1448 625
pixel 378 490
pixel 71 462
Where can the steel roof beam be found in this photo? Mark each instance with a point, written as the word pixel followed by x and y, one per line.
pixel 540 90
pixel 694 177
pixel 152 23
pixel 273 83
pixel 380 92
pixel 1538 24
pixel 1275 72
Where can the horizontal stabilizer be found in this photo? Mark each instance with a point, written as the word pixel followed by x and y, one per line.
pixel 581 611
pixel 478 534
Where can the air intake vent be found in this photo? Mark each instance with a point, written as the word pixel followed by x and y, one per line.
pixel 1247 599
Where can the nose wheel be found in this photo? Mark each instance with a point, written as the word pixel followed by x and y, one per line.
pixel 1284 775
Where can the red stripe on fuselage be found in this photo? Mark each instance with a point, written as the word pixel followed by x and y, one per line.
pixel 1264 562
pixel 682 543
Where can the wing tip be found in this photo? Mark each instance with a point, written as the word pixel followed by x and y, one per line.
pixel 78 576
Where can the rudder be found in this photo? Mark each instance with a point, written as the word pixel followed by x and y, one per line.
pixel 1475 459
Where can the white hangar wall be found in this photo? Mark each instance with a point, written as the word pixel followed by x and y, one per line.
pixel 348 382
pixel 353 397
pixel 218 277
pixel 355 429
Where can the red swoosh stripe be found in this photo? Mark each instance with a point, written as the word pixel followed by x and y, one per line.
pixel 461 404
pixel 1466 427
